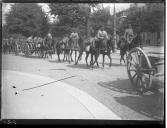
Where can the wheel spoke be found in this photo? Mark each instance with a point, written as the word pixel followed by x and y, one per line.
pixel 131 63
pixel 133 70
pixel 132 59
pixel 140 59
pixel 137 57
pixel 145 69
pixel 137 80
pixel 134 76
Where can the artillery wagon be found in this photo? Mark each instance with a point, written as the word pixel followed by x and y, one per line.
pixel 144 66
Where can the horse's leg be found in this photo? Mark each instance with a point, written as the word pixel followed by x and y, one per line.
pixel 121 60
pixel 91 62
pixel 96 58
pixel 64 56
pixel 71 55
pixel 69 59
pixel 67 55
pixel 58 55
pixel 80 55
pixel 103 59
pixel 86 58
pixel 75 56
pixel 47 54
pixel 109 56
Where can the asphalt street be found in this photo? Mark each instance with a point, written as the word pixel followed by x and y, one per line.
pixel 108 85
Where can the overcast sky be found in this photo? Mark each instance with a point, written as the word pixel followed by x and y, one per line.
pixel 45 7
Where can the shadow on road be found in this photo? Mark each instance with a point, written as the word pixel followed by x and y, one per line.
pixel 79 66
pixel 122 86
pixel 148 105
pixel 117 65
pixel 32 57
pixel 83 66
pixel 55 61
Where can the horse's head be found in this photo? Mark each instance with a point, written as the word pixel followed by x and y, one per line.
pixel 136 40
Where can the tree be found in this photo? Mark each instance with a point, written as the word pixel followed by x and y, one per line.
pixel 101 17
pixel 72 16
pixel 151 21
pixel 27 19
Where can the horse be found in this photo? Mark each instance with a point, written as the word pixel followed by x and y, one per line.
pixel 122 45
pixel 67 48
pixel 81 49
pixel 104 47
pixel 59 48
pixel 49 47
pixel 40 47
pixel 92 49
pixel 75 47
pixel 89 46
pixel 126 47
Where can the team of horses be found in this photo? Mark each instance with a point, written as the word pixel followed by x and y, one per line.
pixel 46 47
pixel 90 46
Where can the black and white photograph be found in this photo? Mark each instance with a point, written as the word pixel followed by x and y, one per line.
pixel 83 61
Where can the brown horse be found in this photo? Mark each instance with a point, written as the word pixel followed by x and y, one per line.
pixel 89 47
pixel 104 48
pixel 125 47
pixel 67 45
pixel 122 45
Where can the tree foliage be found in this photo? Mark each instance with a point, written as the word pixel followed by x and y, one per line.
pixel 71 16
pixel 27 19
pixel 101 17
pixel 148 21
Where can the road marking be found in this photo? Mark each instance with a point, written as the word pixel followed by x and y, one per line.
pixel 47 83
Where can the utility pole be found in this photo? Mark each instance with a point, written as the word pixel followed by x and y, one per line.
pixel 115 36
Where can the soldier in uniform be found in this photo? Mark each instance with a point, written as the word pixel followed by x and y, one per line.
pixel 102 36
pixel 128 35
pixel 75 37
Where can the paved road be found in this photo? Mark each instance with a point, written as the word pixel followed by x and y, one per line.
pixel 29 96
pixel 110 85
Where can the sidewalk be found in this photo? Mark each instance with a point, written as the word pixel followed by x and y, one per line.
pixel 53 101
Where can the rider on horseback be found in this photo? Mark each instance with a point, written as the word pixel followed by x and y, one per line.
pixel 102 36
pixel 49 35
pixel 65 40
pixel 75 37
pixel 129 35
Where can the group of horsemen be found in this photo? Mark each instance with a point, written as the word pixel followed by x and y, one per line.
pixel 101 35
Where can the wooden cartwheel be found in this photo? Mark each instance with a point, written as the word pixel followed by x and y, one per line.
pixel 140 70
